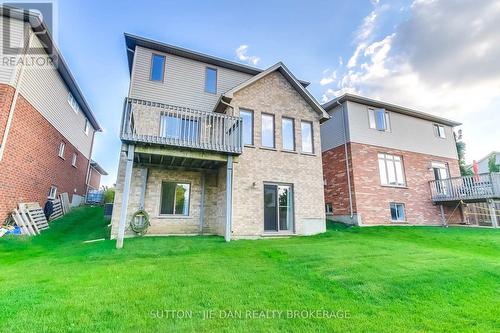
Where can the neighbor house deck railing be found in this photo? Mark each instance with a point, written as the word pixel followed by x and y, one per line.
pixel 163 124
pixel 482 186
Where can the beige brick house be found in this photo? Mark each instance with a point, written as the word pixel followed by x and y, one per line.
pixel 215 147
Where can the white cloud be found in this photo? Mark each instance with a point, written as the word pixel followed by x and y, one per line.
pixel 329 76
pixel 443 59
pixel 241 54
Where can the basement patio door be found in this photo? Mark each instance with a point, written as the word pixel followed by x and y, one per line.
pixel 278 208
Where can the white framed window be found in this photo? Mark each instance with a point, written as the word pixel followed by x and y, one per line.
pixel 73 159
pixel 329 208
pixel 175 198
pixel 439 131
pixel 268 130
pixel 398 213
pixel 86 128
pixel 307 136
pixel 247 116
pixel 211 80
pixel 391 170
pixel 288 133
pixel 62 146
pixel 52 192
pixel 379 119
pixel 73 103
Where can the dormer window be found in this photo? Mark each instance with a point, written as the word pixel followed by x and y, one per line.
pixel 211 80
pixel 379 119
pixel 157 67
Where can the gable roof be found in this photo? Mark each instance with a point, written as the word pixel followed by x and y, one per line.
pixel 489 155
pixel 280 67
pixel 131 41
pixel 388 106
pixel 44 35
pixel 98 168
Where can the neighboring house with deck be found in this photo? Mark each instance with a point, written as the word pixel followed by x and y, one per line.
pixel 483 164
pixel 211 146
pixel 380 161
pixel 95 174
pixel 46 126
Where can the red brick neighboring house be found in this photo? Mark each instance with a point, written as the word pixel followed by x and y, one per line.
pixel 95 173
pixel 46 127
pixel 392 154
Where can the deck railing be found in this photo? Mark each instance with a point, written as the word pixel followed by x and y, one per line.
pixel 163 124
pixel 476 187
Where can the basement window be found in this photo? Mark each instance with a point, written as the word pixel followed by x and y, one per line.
pixel 398 212
pixel 329 208
pixel 52 192
pixel 174 198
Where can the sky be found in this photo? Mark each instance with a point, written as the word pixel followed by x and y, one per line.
pixel 440 57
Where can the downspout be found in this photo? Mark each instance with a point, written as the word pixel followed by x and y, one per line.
pixel 227 104
pixel 344 124
pixel 16 94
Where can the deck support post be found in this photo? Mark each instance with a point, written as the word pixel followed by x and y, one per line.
pixel 144 177
pixel 443 217
pixel 493 213
pixel 202 201
pixel 125 195
pixel 229 198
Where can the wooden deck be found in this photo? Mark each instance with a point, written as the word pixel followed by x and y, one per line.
pixel 475 188
pixel 151 123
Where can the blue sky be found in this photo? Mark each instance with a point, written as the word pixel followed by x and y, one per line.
pixel 376 48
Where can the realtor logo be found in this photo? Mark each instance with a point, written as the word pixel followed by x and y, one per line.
pixel 20 39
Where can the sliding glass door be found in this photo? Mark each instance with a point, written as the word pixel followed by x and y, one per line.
pixel 278 207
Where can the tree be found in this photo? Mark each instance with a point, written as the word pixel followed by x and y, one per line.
pixel 492 163
pixel 465 170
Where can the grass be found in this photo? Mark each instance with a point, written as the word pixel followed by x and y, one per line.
pixel 413 279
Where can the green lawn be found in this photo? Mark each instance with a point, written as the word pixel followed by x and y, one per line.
pixel 413 279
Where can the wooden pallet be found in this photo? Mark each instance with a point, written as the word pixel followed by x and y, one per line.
pixel 26 228
pixel 58 211
pixel 35 214
pixel 66 207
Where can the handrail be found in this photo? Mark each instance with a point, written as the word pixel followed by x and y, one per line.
pixel 164 124
pixel 480 186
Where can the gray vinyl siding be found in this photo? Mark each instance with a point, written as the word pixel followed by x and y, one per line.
pixel 44 88
pixel 16 39
pixel 184 81
pixel 332 131
pixel 407 133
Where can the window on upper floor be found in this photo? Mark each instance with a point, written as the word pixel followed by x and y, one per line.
pixel 86 128
pixel 391 170
pixel 73 103
pixel 398 213
pixel 287 133
pixel 73 160
pixel 379 119
pixel 268 130
pixel 439 131
pixel 307 137
pixel 211 80
pixel 247 116
pixel 62 146
pixel 157 67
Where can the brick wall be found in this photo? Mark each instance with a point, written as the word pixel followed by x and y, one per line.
pixel 372 199
pixel 336 182
pixel 94 179
pixel 31 164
